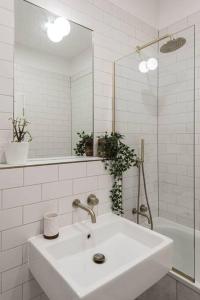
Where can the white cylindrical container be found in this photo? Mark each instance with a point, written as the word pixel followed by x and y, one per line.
pixel 51 227
pixel 17 153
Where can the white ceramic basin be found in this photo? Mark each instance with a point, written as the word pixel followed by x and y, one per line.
pixel 136 258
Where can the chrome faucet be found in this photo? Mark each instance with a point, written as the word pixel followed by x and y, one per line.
pixel 77 204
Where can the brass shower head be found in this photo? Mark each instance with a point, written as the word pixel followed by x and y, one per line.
pixel 173 45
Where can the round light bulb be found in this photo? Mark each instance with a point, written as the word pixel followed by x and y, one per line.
pixel 152 63
pixel 53 33
pixel 143 67
pixel 62 25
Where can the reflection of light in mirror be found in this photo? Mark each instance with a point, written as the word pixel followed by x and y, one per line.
pixel 63 26
pixel 53 33
pixel 58 29
pixel 143 67
pixel 152 63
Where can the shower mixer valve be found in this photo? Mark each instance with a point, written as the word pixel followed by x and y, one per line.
pixel 143 208
pixel 142 212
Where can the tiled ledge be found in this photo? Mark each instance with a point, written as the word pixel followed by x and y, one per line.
pixel 52 161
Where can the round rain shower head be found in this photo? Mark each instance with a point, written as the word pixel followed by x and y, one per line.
pixel 173 45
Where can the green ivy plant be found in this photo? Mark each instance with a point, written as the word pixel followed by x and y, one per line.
pixel 85 144
pixel 118 158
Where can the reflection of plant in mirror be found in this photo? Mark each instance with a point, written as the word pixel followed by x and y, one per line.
pixel 118 158
pixel 20 130
pixel 85 144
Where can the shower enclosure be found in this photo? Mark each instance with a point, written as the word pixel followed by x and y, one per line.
pixel 155 101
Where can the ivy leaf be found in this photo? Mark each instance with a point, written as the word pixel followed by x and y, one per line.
pixel 117 158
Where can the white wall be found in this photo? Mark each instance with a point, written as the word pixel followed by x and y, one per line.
pixel 146 10
pixel 27 194
pixel 58 95
pixel 42 85
pixel 136 118
pixel 38 59
pixel 171 11
pixel 81 63
pixel 176 133
pixel 22 203
pixel 110 42
pixel 185 208
pixel 159 13
pixel 81 95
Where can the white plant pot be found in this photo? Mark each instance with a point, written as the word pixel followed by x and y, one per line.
pixel 17 153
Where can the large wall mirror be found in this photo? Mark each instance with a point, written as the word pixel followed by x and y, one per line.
pixel 53 79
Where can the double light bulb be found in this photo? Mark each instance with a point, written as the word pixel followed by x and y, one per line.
pixel 150 65
pixel 58 29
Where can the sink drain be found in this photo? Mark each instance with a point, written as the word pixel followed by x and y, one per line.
pixel 99 258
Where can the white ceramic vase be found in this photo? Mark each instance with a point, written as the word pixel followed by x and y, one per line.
pixel 51 228
pixel 17 153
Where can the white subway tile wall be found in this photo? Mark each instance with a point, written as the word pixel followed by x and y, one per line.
pixel 23 207
pixel 82 104
pixel 177 124
pixel 115 34
pixel 46 96
pixel 36 189
pixel 136 118
pixel 27 193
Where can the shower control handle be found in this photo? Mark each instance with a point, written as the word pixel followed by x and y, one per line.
pixel 143 208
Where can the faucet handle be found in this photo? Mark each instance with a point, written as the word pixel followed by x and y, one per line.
pixel 76 203
pixel 92 200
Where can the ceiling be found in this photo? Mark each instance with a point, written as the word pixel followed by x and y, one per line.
pixel 159 13
pixel 30 31
pixel 146 10
pixel 172 11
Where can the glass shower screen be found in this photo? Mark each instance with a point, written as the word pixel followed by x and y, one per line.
pixel 176 149
pixel 155 101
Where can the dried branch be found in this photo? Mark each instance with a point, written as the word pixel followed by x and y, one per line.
pixel 19 130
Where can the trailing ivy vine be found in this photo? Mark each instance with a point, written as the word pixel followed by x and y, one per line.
pixel 118 158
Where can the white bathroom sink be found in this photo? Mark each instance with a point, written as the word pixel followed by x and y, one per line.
pixel 135 259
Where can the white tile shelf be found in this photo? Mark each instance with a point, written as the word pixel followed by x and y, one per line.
pixel 52 161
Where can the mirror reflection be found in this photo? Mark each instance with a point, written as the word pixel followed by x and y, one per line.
pixel 53 80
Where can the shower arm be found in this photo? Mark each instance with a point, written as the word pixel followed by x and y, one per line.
pixel 139 48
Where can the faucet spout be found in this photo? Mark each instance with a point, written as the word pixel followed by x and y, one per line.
pixel 77 204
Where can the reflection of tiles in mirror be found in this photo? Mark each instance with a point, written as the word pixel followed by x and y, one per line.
pixel 47 107
pixel 82 99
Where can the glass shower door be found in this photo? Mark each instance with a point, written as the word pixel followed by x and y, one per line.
pixel 159 106
pixel 136 118
pixel 176 149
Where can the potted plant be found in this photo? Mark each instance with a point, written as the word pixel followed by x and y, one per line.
pixel 17 150
pixel 85 144
pixel 118 158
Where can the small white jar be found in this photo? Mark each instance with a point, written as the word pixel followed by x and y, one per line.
pixel 51 227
